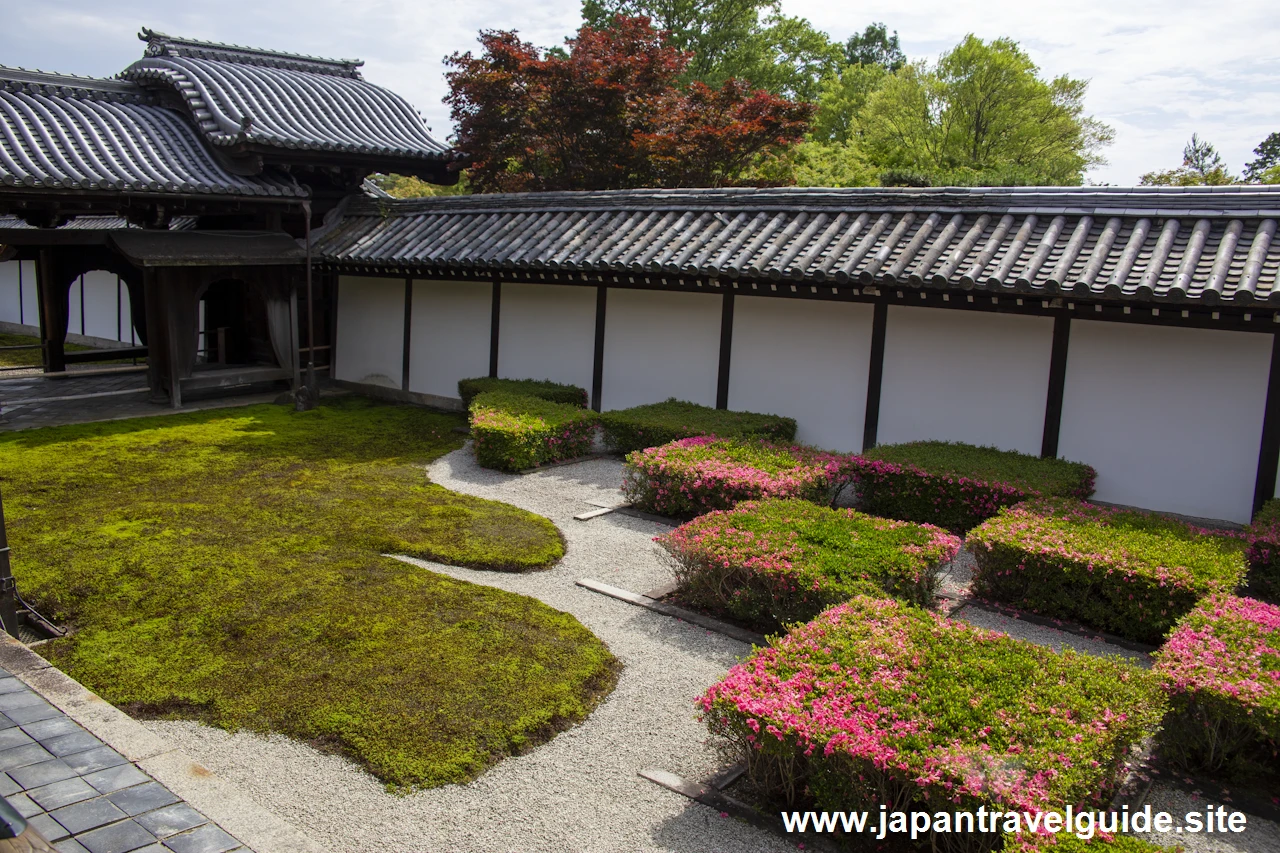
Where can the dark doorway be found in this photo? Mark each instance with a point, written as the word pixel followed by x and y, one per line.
pixel 234 325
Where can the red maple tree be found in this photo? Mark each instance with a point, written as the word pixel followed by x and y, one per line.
pixel 612 114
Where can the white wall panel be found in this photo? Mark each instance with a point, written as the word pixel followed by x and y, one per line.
pixel 104 317
pixel 547 331
pixel 1170 418
pixel 9 299
pixel 965 376
pixel 370 345
pixel 659 345
pixel 450 335
pixel 804 359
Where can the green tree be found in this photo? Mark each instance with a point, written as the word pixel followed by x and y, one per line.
pixel 982 115
pixel 842 101
pixel 1266 157
pixel 407 186
pixel 745 39
pixel 1202 165
pixel 874 46
pixel 712 30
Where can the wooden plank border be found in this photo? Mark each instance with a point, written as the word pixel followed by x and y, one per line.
pixel 726 350
pixel 1264 487
pixel 875 375
pixel 494 320
pixel 1057 382
pixel 597 362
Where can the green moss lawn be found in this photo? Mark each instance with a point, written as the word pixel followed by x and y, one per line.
pixel 224 566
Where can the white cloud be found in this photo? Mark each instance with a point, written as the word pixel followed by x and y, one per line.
pixel 1158 70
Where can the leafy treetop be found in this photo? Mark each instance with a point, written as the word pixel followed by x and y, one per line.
pixel 1202 165
pixel 612 114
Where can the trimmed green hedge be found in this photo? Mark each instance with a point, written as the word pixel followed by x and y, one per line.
pixel 1221 669
pixel 543 389
pixel 1131 573
pixel 774 562
pixel 958 486
pixel 1264 553
pixel 512 432
pixel 655 424
pixel 877 703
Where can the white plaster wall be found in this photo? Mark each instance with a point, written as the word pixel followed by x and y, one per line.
pixel 450 335
pixel 965 376
pixel 804 359
pixel 370 345
pixel 1170 418
pixel 11 310
pixel 547 331
pixel 100 317
pixel 659 345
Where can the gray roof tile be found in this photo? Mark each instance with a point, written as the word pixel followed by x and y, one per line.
pixel 1099 242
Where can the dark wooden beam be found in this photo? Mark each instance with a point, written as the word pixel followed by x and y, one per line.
pixel 172 337
pixel 1057 382
pixel 726 351
pixel 408 325
pixel 494 321
pixel 1269 453
pixel 597 364
pixel 875 375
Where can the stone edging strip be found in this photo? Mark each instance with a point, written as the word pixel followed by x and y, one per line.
pixel 219 800
pixel 742 635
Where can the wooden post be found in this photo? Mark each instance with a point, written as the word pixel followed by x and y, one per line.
pixel 54 311
pixel 293 335
pixel 726 350
pixel 875 375
pixel 172 337
pixel 1057 383
pixel 597 366
pixel 1264 487
pixel 494 319
pixel 408 328
pixel 157 347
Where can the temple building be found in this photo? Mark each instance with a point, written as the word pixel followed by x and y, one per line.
pixel 215 187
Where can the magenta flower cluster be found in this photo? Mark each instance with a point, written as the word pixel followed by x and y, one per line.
pixel 1130 573
pixel 692 476
pixel 1221 669
pixel 778 561
pixel 876 702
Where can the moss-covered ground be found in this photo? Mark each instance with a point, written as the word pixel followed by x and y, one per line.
pixel 225 566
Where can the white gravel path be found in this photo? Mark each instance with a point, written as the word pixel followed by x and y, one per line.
pixel 579 793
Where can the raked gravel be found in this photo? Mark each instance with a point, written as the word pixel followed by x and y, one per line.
pixel 579 793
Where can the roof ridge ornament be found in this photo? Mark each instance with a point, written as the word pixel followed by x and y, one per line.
pixel 160 44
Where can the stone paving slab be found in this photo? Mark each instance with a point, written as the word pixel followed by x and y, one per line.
pixel 36 401
pixel 82 795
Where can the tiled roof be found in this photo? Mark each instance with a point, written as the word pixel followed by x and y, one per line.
pixel 250 97
pixel 1201 244
pixel 75 133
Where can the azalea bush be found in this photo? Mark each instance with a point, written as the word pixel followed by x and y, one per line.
pixel 1221 669
pixel 655 424
pixel 877 703
pixel 777 561
pixel 1131 573
pixel 511 432
pixel 1264 554
pixel 691 476
pixel 543 389
pixel 958 486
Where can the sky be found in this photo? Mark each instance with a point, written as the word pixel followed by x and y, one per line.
pixel 1158 71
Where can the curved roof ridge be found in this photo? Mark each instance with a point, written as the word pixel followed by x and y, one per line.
pixel 67 85
pixel 160 44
